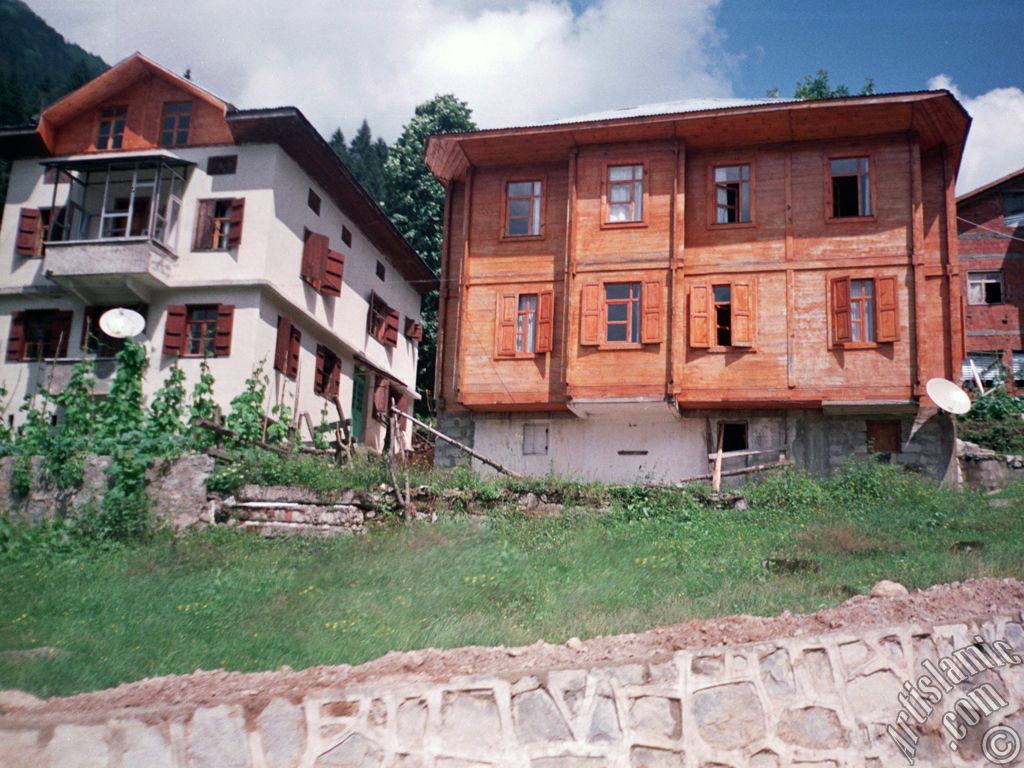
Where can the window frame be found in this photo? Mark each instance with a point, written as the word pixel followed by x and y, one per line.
pixel 712 188
pixel 324 389
pixel 541 202
pixel 1012 220
pixel 644 196
pixel 533 426
pixel 543 292
pixel 176 130
pixel 629 302
pixel 872 187
pixel 210 344
pixel 1002 287
pixel 115 139
pixel 59 321
pixel 94 341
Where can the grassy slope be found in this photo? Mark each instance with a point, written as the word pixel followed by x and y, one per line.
pixel 222 599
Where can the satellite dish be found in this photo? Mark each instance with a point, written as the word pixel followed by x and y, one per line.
pixel 948 396
pixel 121 323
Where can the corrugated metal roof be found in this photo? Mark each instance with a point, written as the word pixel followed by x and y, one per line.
pixel 670 108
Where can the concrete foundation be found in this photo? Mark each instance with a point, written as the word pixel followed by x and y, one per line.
pixel 661 446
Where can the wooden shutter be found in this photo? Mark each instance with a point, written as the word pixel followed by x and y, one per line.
pixel 29 222
pixel 174 329
pixel 225 323
pixel 334 381
pixel 235 222
pixel 700 316
pixel 743 314
pixel 294 349
pixel 545 321
pixel 590 314
pixel 62 330
pixel 413 330
pixel 505 326
pixel 842 332
pixel 888 321
pixel 391 326
pixel 650 308
pixel 16 337
pixel 334 266
pixel 283 345
pixel 314 254
pixel 321 363
pixel 381 393
pixel 203 239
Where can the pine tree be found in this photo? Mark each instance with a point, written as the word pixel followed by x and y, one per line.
pixel 414 200
pixel 366 161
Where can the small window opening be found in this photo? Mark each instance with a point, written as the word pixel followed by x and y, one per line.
pixel 734 436
pixel 313 201
pixel 380 270
pixel 723 315
pixel 346 235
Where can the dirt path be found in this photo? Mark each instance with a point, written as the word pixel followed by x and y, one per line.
pixel 939 604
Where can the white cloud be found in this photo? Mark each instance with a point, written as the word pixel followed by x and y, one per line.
pixel 995 144
pixel 514 62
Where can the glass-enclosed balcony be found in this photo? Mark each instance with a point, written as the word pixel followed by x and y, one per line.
pixel 114 222
pixel 118 199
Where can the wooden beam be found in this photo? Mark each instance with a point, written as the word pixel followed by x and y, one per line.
pixel 956 339
pixel 917 260
pixel 457 444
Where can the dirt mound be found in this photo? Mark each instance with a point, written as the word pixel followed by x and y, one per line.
pixel 946 603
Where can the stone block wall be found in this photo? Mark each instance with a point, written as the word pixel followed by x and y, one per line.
pixel 458 426
pixel 822 702
pixel 986 469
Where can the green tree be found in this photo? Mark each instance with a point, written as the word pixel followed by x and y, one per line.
pixel 366 161
pixel 414 200
pixel 337 143
pixel 817 86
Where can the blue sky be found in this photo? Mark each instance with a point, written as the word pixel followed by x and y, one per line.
pixel 899 43
pixel 518 62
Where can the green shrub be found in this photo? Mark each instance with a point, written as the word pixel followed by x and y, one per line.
pixel 1005 435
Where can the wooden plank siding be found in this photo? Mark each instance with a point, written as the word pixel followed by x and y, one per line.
pixel 781 266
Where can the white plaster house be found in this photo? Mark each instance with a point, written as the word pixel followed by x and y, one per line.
pixel 238 234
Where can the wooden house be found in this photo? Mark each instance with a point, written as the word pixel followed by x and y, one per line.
pixel 623 292
pixel 238 234
pixel 991 234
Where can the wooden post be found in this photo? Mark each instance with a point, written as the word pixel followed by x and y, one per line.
pixel 716 476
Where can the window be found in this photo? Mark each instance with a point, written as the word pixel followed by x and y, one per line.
pixel 524 324
pixel 413 329
pixel 346 235
pixel 523 208
pixel 1013 208
pixel 382 321
pixel 111 130
pixel 221 165
pixel 985 287
pixel 94 340
pixel 175 124
pixel 199 330
pixel 851 187
pixel 381 272
pixel 732 194
pixel 864 310
pixel 722 315
pixel 622 313
pixel 219 225
pixel 287 348
pixel 734 436
pixel 884 436
pixel 535 439
pixel 327 382
pixel 39 333
pixel 625 194
pixel 313 201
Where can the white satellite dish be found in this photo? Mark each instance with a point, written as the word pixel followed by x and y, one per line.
pixel 121 323
pixel 948 396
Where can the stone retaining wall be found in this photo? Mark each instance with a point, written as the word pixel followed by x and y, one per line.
pixel 984 468
pixel 822 702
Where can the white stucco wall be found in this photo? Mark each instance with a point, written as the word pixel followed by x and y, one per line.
pixel 588 449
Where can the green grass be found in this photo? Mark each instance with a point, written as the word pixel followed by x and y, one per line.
pixel 224 599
